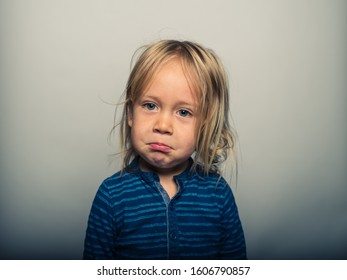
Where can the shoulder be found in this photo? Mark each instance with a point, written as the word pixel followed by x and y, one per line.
pixel 121 177
pixel 209 190
pixel 119 183
pixel 212 184
pixel 212 179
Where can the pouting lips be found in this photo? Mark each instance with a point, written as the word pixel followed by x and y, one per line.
pixel 160 147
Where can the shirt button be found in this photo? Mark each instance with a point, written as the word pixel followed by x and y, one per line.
pixel 173 235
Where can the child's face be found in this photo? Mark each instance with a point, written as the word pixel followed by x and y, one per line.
pixel 163 121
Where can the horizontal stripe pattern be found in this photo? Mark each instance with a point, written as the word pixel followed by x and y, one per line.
pixel 132 218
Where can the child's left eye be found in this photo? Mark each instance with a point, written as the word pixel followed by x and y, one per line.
pixel 184 113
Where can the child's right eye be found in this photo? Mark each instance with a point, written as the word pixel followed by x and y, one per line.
pixel 150 106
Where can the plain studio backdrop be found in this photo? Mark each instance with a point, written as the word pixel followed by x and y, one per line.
pixel 65 63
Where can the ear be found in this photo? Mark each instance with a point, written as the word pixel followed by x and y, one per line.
pixel 130 117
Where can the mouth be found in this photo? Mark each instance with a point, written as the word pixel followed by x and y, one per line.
pixel 160 147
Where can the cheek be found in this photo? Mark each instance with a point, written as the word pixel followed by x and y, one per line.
pixel 137 129
pixel 190 140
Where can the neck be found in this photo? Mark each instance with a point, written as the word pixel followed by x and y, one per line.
pixel 163 173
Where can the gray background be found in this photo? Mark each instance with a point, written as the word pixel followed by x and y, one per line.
pixel 64 63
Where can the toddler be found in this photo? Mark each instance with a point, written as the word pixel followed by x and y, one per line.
pixel 169 200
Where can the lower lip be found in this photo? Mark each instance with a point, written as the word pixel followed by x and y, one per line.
pixel 160 147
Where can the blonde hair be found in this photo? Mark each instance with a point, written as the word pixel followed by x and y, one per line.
pixel 205 72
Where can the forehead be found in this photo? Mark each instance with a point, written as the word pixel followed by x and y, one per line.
pixel 173 76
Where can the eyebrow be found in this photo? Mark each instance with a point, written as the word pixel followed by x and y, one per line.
pixel 180 103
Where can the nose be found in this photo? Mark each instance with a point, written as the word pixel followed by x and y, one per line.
pixel 163 124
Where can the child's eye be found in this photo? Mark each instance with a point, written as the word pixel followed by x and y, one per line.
pixel 150 106
pixel 184 113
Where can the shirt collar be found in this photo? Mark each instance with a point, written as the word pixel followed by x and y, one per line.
pixel 150 177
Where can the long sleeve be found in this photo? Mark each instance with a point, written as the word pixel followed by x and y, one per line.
pixel 100 239
pixel 233 242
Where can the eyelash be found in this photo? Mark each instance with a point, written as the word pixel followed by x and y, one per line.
pixel 147 106
pixel 182 112
pixel 188 114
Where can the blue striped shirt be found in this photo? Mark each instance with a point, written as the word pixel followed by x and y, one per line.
pixel 132 217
